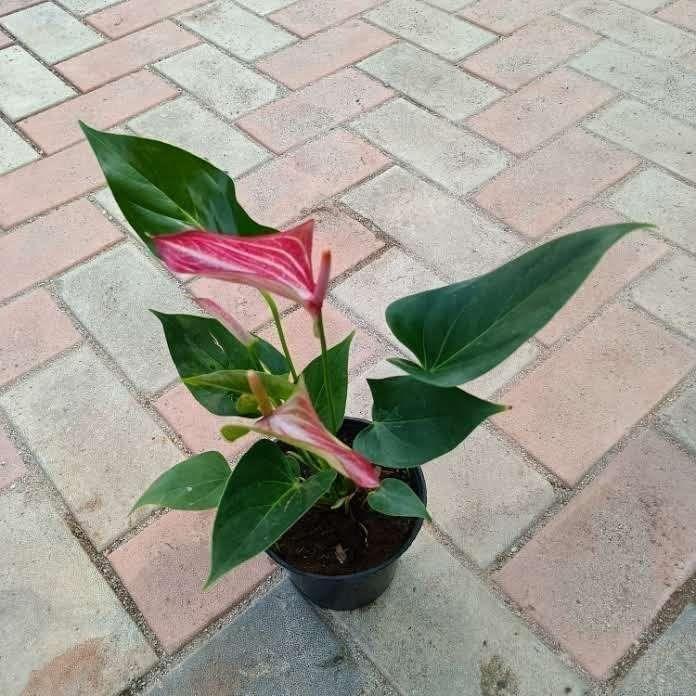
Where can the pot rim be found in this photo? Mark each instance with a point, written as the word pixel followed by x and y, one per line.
pixel 420 478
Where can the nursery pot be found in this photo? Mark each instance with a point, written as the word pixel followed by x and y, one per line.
pixel 357 589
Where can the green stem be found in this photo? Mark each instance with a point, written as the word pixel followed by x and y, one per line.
pixel 281 334
pixel 325 368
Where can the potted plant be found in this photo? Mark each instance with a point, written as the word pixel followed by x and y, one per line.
pixel 334 500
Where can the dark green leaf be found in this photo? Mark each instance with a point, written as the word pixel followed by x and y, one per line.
pixel 263 498
pixel 415 422
pixel 461 331
pixel 270 357
pixel 236 382
pixel 397 498
pixel 337 359
pixel 194 484
pixel 199 345
pixel 162 189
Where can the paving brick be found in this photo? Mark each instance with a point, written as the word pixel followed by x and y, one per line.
pixel 307 61
pixel 669 292
pixel 506 16
pixel 219 81
pixel 540 110
pixel 291 185
pixel 431 81
pixel 32 330
pixel 9 6
pixel 681 12
pixel 265 7
pixel 68 235
pixel 300 650
pixel 233 29
pixel 644 33
pixel 528 53
pixel 14 151
pixel 111 296
pixel 433 29
pixel 131 15
pixel 26 85
pixel 597 574
pixel 83 7
pixel 5 40
pixel 659 198
pixel 489 383
pixel 438 608
pixel 306 17
pixel 622 263
pixel 63 630
pixel 105 200
pixel 56 128
pixel 651 134
pixel 314 110
pixel 679 418
pixel 669 665
pixel 441 230
pixel 164 568
pixel 621 364
pixel 665 85
pixel 12 466
pixel 392 276
pixel 484 495
pixel 538 192
pixel 212 138
pixel 644 5
pixel 689 61
pixel 125 55
pixel 444 153
pixel 50 32
pixel 51 181
pixel 450 5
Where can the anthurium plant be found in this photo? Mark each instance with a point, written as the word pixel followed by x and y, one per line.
pixel 186 211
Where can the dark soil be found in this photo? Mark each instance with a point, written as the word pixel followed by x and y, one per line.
pixel 333 542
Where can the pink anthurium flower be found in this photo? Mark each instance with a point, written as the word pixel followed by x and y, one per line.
pixel 280 263
pixel 226 319
pixel 296 423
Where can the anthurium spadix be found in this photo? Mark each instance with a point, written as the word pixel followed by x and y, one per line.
pixel 279 263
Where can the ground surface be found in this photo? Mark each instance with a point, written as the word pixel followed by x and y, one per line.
pixel 432 141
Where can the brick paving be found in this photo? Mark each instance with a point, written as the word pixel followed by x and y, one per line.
pixel 432 140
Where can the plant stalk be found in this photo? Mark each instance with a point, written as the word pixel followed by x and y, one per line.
pixel 281 334
pixel 325 368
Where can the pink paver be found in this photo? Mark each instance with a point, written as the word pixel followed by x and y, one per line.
pixel 12 465
pixel 32 330
pixel 164 568
pixel 128 54
pixel 102 108
pixel 505 16
pixel 307 61
pixel 589 394
pixel 538 192
pixel 540 110
pixel 681 12
pixel 598 573
pixel 306 17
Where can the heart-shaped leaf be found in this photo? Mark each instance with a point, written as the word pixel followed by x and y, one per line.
pixel 263 498
pixel 162 189
pixel 194 484
pixel 269 356
pixel 398 499
pixel 461 331
pixel 415 422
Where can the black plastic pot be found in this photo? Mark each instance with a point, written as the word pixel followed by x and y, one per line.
pixel 345 592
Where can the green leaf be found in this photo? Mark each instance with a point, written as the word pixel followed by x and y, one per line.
pixel 269 356
pixel 162 189
pixel 461 331
pixel 233 432
pixel 263 498
pixel 236 382
pixel 415 422
pixel 194 484
pixel 200 345
pixel 397 498
pixel 337 359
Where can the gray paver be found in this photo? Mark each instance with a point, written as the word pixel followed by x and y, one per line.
pixel 441 230
pixel 679 418
pixel 663 200
pixel 51 32
pixel 112 295
pixel 431 81
pixel 97 445
pixel 437 630
pixel 84 7
pixel 105 199
pixel 266 6
pixel 236 30
pixel 62 631
pixel 487 384
pixel 278 647
pixel 219 81
pixel 444 153
pixel 14 150
pixel 27 86
pixel 212 138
